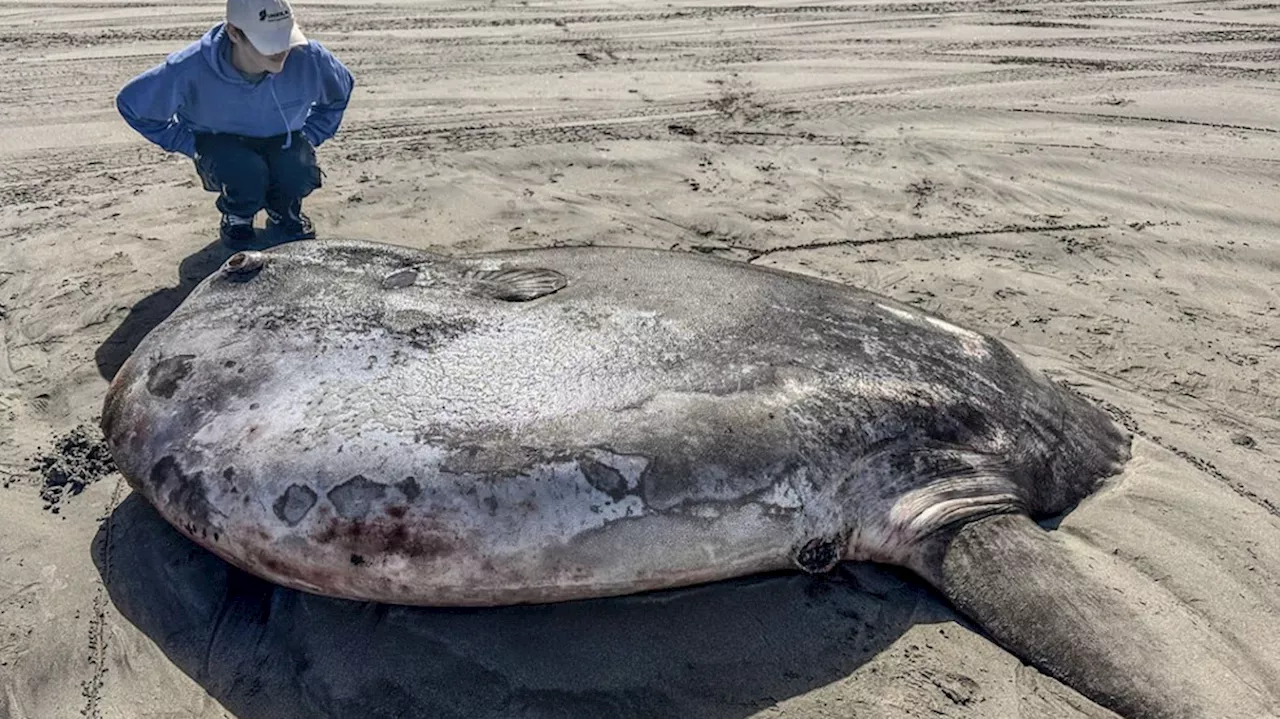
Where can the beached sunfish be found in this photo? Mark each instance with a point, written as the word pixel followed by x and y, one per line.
pixel 374 422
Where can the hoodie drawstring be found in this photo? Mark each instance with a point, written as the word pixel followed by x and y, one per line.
pixel 288 142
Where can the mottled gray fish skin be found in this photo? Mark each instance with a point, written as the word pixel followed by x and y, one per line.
pixel 381 423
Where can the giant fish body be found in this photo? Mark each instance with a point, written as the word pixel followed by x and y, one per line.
pixel 375 422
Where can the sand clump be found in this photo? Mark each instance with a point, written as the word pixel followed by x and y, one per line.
pixel 77 459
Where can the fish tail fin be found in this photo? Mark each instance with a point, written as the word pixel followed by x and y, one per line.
pixel 1021 586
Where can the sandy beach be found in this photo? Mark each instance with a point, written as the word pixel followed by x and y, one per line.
pixel 1097 184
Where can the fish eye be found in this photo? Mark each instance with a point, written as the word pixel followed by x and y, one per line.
pixel 243 263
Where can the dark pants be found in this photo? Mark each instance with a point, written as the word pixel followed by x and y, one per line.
pixel 255 173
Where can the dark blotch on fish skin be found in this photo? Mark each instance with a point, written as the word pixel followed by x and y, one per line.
pixel 294 504
pixel 436 331
pixel 409 488
pixel 382 537
pixel 604 478
pixel 112 407
pixel 354 498
pixel 357 560
pixel 229 475
pixel 164 376
pixel 183 491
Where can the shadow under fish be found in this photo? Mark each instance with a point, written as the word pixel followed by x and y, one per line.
pixel 151 310
pixel 723 650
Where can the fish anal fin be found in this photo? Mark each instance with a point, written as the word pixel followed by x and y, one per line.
pixel 1023 588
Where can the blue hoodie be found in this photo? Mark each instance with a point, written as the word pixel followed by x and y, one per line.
pixel 197 89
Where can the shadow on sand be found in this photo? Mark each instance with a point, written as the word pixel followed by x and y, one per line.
pixel 153 309
pixel 722 650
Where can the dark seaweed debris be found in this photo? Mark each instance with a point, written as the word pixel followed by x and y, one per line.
pixel 79 458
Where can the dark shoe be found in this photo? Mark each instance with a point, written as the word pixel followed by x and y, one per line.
pixel 291 227
pixel 236 233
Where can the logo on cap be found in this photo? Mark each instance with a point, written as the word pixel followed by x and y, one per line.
pixel 264 16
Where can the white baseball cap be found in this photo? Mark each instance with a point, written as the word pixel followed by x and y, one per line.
pixel 268 24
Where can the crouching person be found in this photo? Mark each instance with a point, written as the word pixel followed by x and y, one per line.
pixel 249 103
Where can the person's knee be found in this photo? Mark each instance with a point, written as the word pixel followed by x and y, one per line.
pixel 295 172
pixel 224 163
pixel 298 182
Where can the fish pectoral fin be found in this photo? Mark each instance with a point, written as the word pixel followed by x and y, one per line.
pixel 1023 588
pixel 518 284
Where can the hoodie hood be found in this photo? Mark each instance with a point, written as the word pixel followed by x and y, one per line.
pixel 215 47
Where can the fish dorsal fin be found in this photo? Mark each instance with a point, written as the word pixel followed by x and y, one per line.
pixel 517 284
